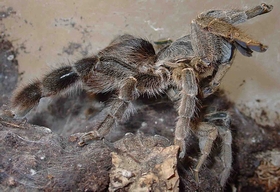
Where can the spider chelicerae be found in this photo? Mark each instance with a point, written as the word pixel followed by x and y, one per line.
pixel 188 70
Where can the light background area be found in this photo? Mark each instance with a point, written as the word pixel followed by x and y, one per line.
pixel 47 33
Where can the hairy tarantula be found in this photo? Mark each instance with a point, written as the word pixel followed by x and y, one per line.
pixel 188 70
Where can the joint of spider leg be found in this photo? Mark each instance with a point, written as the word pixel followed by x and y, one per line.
pixel 111 115
pixel 84 66
pixel 163 73
pixel 266 8
pixel 128 91
pixel 98 65
pixel 213 20
pixel 183 116
pixel 227 122
pixel 215 84
pixel 59 80
pixel 217 115
pixel 201 66
pixel 223 122
pixel 89 136
pixel 190 83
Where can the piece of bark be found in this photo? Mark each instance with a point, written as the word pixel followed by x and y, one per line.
pixel 144 163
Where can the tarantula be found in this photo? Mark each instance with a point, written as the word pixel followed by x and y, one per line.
pixel 189 70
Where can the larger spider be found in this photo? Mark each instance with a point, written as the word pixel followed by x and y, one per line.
pixel 192 66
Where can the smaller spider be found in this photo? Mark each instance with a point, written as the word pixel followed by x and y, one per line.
pixel 192 66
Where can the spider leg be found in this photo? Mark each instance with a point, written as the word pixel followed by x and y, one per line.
pixel 258 10
pixel 217 123
pixel 59 80
pixel 186 109
pixel 216 81
pixel 223 121
pixel 221 23
pixel 130 90
pixel 173 94
pixel 117 109
pixel 207 134
pixel 237 16
pixel 222 28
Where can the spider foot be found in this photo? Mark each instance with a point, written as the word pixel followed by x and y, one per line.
pixel 196 176
pixel 182 146
pixel 89 136
pixel 208 91
pixel 224 176
pixel 258 10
